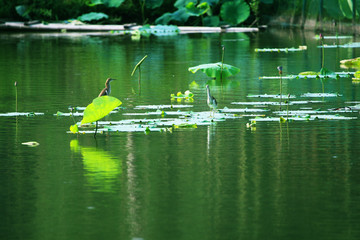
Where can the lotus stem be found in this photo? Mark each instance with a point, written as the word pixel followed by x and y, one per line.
pixel 287 107
pixel 137 66
pixel 280 73
pixel 16 97
pixel 96 128
pixel 222 61
pixel 322 50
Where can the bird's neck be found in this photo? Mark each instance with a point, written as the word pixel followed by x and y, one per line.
pixel 108 87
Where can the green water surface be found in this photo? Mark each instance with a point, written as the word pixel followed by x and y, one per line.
pixel 292 180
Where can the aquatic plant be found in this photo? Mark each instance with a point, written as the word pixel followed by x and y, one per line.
pixel 350 63
pixel 99 108
pixel 92 16
pixel 231 12
pixel 218 70
pixel 286 50
pixel 16 96
pixel 137 66
pixel 187 95
pixel 279 68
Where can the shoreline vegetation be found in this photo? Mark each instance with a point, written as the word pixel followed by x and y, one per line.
pixel 118 29
pixel 340 16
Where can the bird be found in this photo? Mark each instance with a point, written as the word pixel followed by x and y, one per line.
pixel 211 101
pixel 107 89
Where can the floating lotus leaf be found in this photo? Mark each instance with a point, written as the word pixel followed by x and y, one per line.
pixel 214 70
pixel 351 63
pixel 309 73
pixel 99 108
pixel 74 128
pixel 92 16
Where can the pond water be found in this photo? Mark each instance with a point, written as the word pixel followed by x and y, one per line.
pixel 280 180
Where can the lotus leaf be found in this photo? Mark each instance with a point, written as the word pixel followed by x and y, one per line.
pixel 108 3
pixel 235 12
pixel 99 108
pixel 92 16
pixel 74 128
pixel 198 10
pixel 214 70
pixel 351 63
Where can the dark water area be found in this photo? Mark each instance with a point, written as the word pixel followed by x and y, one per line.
pixel 291 180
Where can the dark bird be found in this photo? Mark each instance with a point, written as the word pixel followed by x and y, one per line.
pixel 211 101
pixel 107 89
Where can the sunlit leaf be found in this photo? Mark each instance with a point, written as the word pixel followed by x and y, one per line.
pixel 198 10
pixel 99 108
pixel 309 73
pixel 74 128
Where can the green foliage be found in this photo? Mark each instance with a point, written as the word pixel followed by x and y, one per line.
pixel 92 16
pixel 232 12
pixel 325 72
pixel 108 3
pixel 152 4
pixel 215 70
pixel 351 63
pixel 267 1
pixel 198 10
pixel 74 128
pixel 235 12
pixel 99 108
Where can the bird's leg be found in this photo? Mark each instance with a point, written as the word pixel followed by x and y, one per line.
pixel 96 129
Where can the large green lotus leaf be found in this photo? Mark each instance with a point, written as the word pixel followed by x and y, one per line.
pixel 182 3
pixel 153 3
pixel 210 2
pixel 164 19
pixel 99 108
pixel 235 12
pixel 214 70
pixel 333 9
pixel 92 16
pixel 211 21
pixel 180 15
pixel 346 7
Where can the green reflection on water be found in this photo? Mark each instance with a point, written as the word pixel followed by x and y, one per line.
pixel 102 169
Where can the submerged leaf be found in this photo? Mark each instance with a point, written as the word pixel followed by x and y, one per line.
pixel 99 108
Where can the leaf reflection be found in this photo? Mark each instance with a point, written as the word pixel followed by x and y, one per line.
pixel 102 169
